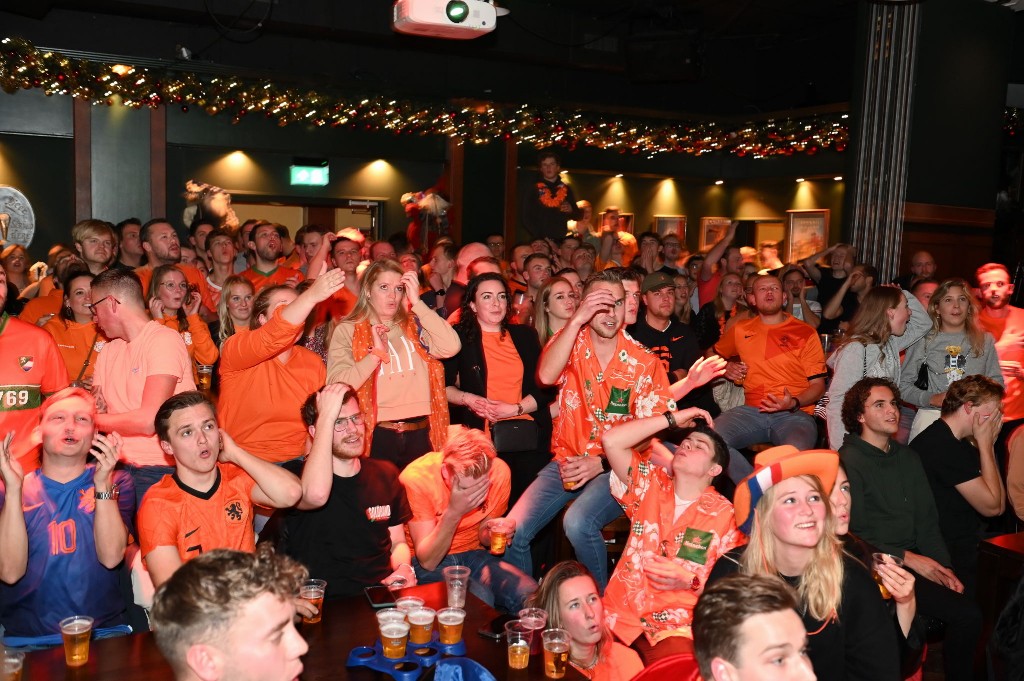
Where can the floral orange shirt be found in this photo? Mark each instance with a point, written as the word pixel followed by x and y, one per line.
pixel 592 400
pixel 704 531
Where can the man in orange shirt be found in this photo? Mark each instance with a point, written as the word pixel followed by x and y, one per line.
pixel 162 246
pixel 207 503
pixel 265 243
pixel 779 361
pixel 453 493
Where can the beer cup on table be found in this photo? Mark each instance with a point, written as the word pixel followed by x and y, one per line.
pixel 518 636
pixel 313 590
pixel 556 652
pixel 393 637
pixel 879 559
pixel 408 603
pixel 536 619
pixel 456 580
pixel 76 631
pixel 204 377
pixel 13 663
pixel 421 625
pixel 387 616
pixel 449 625
pixel 501 530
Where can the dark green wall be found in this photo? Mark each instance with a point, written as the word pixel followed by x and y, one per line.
pixel 42 168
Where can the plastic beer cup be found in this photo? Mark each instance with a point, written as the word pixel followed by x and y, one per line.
pixel 456 579
pixel 313 590
pixel 449 624
pixel 536 619
pixel 518 637
pixel 393 637
pixel 556 652
pixel 421 625
pixel 501 530
pixel 76 631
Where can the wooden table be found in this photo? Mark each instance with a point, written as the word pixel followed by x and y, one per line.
pixel 346 624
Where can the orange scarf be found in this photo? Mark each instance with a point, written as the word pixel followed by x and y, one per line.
pixel 362 344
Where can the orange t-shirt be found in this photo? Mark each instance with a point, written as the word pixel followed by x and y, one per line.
pixel 784 355
pixel 504 368
pixel 121 371
pixel 198 342
pixel 260 396
pixel 279 275
pixel 193 276
pixel 592 400
pixel 39 307
pixel 75 342
pixel 428 498
pixel 172 514
pixel 31 369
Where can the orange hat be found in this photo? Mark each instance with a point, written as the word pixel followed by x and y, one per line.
pixel 774 465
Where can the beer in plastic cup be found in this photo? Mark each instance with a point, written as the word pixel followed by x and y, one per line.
pixel 501 530
pixel 878 558
pixel 393 637
pixel 76 630
pixel 449 624
pixel 313 590
pixel 204 377
pixel 556 652
pixel 518 636
pixel 456 579
pixel 387 616
pixel 13 662
pixel 536 619
pixel 408 603
pixel 421 625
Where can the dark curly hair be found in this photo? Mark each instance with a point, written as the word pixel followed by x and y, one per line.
pixel 856 399
pixel 468 324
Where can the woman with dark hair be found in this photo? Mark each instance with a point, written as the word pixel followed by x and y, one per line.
pixel 492 380
pixel 887 322
pixel 74 328
pixel 711 319
pixel 569 595
pixel 174 305
pixel 389 349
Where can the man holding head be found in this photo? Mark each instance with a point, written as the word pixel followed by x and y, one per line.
pixel 64 526
pixel 207 503
pixel 143 364
pixel 746 628
pixel 1006 324
pixel 230 616
pixel 266 245
pixel 843 305
pixel 780 363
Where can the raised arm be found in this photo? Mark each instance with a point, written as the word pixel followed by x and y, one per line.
pixel 620 441
pixel 707 268
pixel 13 533
pixel 432 538
pixel 109 531
pixel 275 487
pixel 986 493
pixel 810 263
pixel 834 307
pixel 318 470
pixel 556 355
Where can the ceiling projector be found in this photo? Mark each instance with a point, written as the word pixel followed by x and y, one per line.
pixel 456 19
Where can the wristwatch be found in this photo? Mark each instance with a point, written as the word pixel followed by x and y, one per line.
pixel 114 494
pixel 796 406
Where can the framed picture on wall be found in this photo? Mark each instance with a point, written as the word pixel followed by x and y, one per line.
pixel 671 224
pixel 711 231
pixel 806 233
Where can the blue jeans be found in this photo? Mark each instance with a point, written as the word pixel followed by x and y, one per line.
pixel 145 477
pixel 593 507
pixel 492 580
pixel 743 426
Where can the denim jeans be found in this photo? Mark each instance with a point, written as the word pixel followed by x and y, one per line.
pixel 145 477
pixel 593 507
pixel 744 425
pixel 492 580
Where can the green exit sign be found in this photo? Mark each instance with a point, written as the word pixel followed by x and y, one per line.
pixel 313 176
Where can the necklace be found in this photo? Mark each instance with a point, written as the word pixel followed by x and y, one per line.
pixel 552 200
pixel 591 665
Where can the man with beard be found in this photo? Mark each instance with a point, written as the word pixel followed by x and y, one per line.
pixel 922 266
pixel 780 363
pixel 349 526
pixel 265 243
pixel 604 378
pixel 206 504
pixel 64 527
pixel 1006 324
pixel 162 247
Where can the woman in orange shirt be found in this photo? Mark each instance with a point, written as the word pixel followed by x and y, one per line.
pixel 234 310
pixel 172 304
pixel 74 329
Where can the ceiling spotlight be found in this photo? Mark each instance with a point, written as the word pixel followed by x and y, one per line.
pixel 799 179
pixel 182 52
pixel 838 178
pixel 719 182
pixel 618 175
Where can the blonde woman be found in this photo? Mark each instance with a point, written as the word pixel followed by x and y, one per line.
pixel 556 303
pixel 392 358
pixel 234 309
pixel 784 508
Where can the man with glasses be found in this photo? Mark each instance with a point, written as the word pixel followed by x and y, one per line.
pixel 349 526
pixel 143 364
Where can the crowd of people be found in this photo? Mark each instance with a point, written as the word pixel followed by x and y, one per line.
pixel 367 415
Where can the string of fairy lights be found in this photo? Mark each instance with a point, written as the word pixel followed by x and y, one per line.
pixel 24 67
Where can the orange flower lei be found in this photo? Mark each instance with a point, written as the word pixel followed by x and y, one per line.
pixel 555 200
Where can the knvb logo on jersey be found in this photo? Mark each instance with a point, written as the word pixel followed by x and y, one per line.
pixel 234 511
pixel 376 514
pixel 26 362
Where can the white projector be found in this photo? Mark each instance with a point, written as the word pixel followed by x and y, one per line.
pixel 456 19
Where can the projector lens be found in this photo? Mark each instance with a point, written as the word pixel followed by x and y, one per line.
pixel 456 11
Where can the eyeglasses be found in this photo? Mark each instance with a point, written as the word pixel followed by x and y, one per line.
pixel 341 424
pixel 92 306
pixel 170 285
